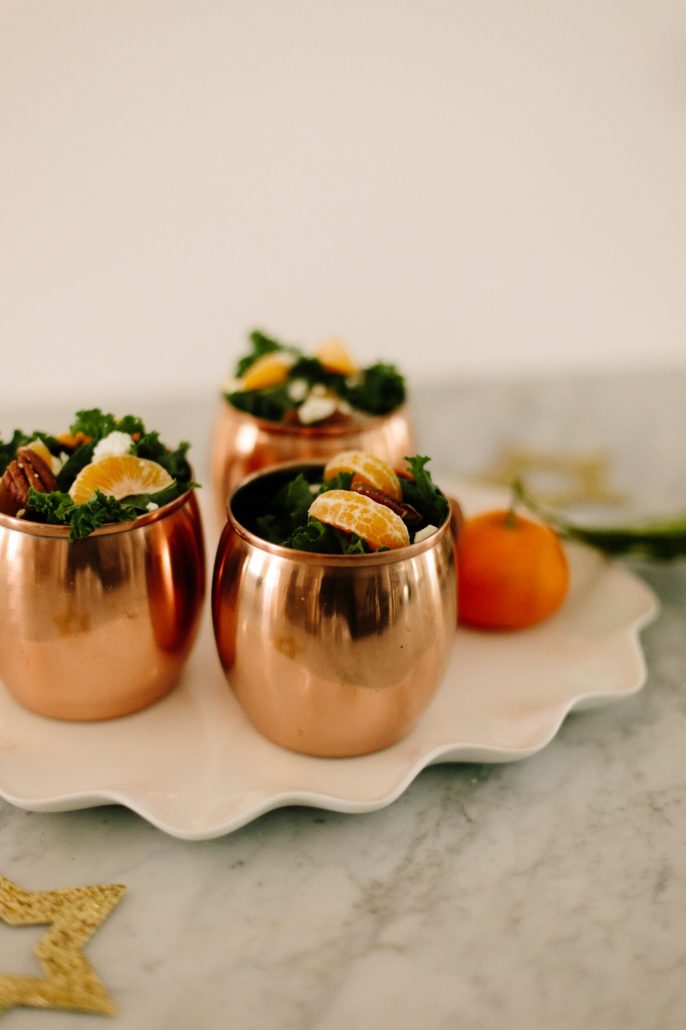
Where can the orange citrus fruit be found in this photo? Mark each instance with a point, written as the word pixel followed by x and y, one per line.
pixel 374 471
pixel 269 370
pixel 121 476
pixel 355 513
pixel 335 357
pixel 512 572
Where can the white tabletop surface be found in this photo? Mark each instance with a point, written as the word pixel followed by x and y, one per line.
pixel 546 893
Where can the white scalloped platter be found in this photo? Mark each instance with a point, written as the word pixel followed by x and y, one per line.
pixel 193 766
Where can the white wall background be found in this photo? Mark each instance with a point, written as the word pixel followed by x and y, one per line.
pixel 466 186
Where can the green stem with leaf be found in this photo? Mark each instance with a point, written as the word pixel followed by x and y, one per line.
pixel 657 539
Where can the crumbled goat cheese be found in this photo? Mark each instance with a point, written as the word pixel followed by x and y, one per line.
pixel 424 533
pixel 112 446
pixel 297 391
pixel 151 506
pixel 315 409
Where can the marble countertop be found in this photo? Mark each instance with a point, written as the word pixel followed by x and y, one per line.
pixel 546 893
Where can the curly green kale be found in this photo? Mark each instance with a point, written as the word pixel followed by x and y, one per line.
pixel 422 493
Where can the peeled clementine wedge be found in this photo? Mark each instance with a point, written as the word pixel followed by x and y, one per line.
pixel 373 471
pixel 335 357
pixel 355 513
pixel 269 370
pixel 120 477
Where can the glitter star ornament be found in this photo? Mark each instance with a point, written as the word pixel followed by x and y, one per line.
pixel 74 914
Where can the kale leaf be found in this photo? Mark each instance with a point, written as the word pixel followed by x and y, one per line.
pixel 380 390
pixel 58 509
pixel 317 537
pixel 271 404
pixel 422 494
pixel 98 424
pixel 286 511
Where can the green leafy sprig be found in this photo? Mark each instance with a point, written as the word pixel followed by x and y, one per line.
pixel 656 539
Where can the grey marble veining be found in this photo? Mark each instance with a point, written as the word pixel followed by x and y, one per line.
pixel 546 893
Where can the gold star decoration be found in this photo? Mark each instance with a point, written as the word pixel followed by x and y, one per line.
pixel 584 476
pixel 74 914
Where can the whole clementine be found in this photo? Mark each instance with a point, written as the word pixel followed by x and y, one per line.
pixel 512 572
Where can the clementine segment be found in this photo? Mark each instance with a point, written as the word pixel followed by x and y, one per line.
pixel 512 572
pixel 335 357
pixel 269 370
pixel 119 477
pixel 355 513
pixel 374 471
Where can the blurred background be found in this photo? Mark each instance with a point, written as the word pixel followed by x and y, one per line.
pixel 490 188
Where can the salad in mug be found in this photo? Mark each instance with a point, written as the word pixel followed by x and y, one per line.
pixel 280 383
pixel 103 470
pixel 361 505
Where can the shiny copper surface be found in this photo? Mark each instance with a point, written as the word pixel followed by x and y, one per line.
pixel 330 655
pixel 243 444
pixel 99 627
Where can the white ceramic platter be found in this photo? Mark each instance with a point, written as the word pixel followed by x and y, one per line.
pixel 194 767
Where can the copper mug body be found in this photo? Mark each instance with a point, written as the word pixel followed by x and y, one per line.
pixel 330 655
pixel 243 444
pixel 99 627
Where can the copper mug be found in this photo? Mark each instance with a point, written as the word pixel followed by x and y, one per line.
pixel 243 444
pixel 99 627
pixel 330 655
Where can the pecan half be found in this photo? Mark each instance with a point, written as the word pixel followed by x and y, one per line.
pixel 407 513
pixel 26 471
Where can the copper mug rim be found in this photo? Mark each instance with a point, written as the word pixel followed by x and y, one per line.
pixel 288 429
pixel 45 529
pixel 316 557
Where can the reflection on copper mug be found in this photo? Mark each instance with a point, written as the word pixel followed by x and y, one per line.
pixel 330 655
pixel 243 444
pixel 99 627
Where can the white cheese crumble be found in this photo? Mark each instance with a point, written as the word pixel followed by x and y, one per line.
pixel 297 391
pixel 112 446
pixel 315 409
pixel 151 506
pixel 424 533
